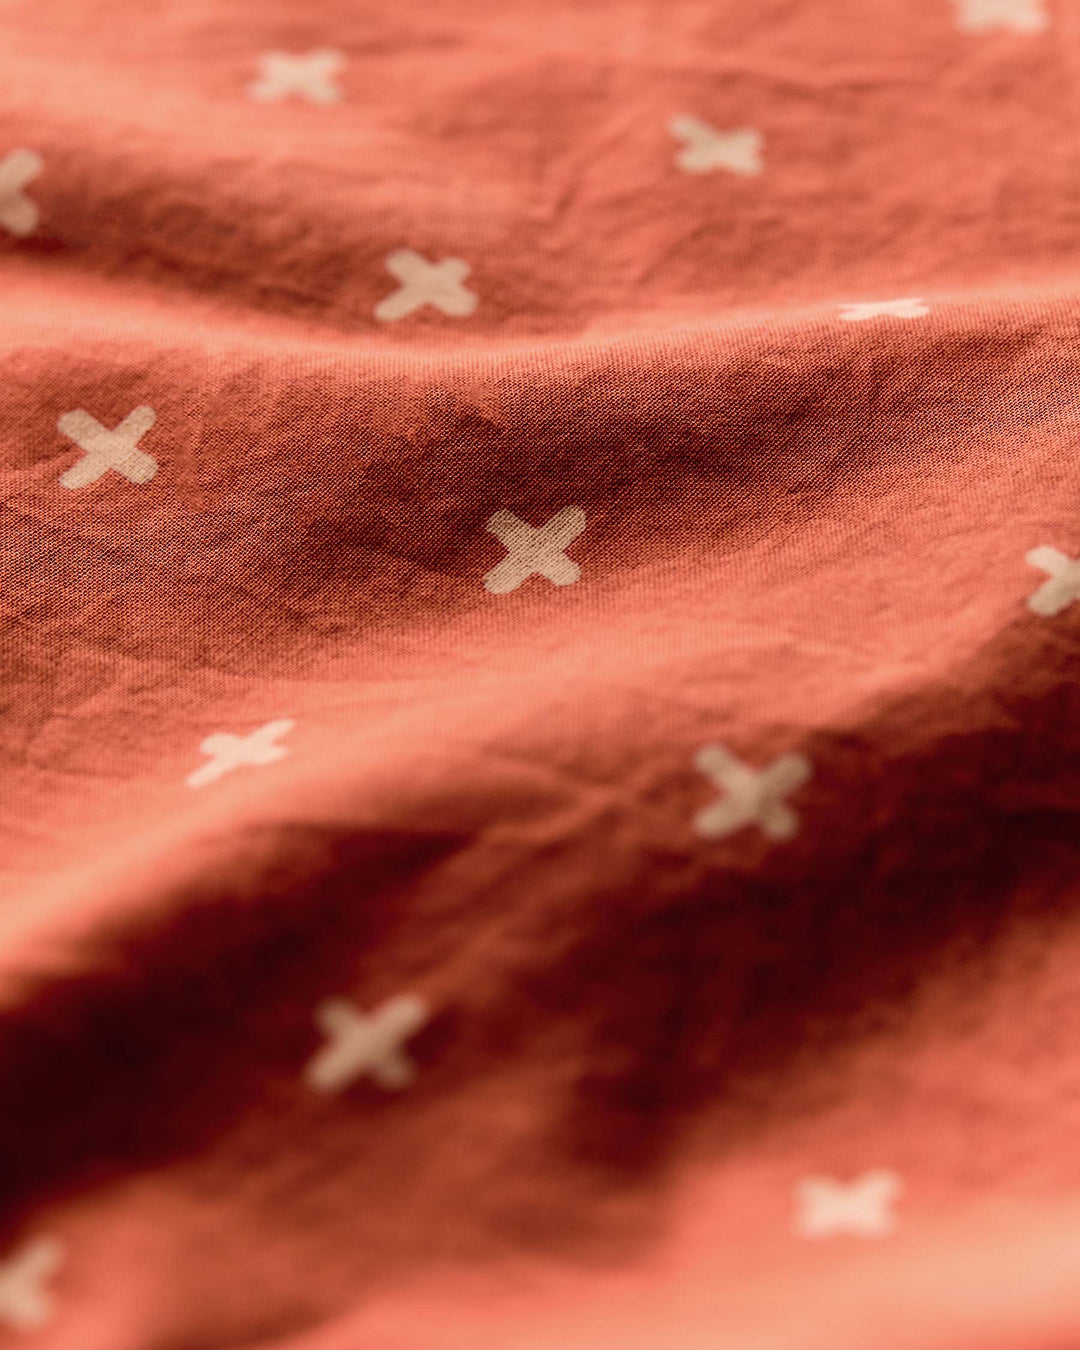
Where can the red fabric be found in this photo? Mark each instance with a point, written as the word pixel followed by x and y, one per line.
pixel 680 1078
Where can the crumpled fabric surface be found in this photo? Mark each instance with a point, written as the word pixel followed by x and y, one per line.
pixel 540 753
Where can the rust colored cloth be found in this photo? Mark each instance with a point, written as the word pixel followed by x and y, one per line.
pixel 540 745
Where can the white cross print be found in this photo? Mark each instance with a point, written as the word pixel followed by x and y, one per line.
pixel 366 1043
pixel 1022 16
pixel 18 214
pixel 1063 586
pixel 751 796
pixel 232 752
pixel 25 1304
pixel 105 449
pixel 309 75
pixel 706 148
pixel 863 1207
pixel 910 308
pixel 534 549
pixel 426 283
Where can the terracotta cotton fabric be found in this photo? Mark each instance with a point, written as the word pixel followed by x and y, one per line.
pixel 806 541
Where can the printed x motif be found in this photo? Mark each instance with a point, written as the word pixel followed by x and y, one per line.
pixel 538 550
pixel 706 149
pixel 366 1043
pixel 18 213
pixel 25 1303
pixel 426 283
pixel 105 449
pixel 232 752
pixel 1063 586
pixel 751 797
pixel 310 75
pixel 891 309
pixel 1021 16
pixel 863 1207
